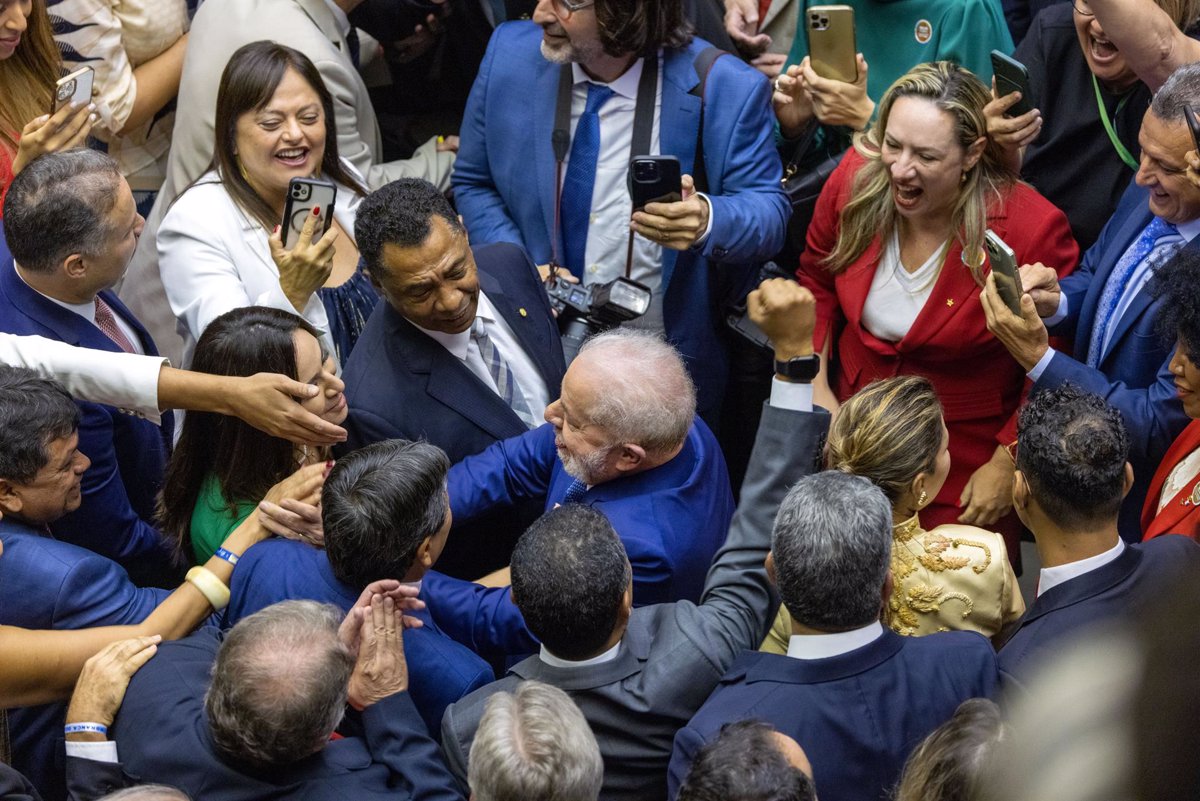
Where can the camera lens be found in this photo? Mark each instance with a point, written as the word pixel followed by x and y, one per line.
pixel 645 170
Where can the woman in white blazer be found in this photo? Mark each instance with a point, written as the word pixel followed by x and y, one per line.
pixel 220 246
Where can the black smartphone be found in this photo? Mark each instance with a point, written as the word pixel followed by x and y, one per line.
pixel 1011 76
pixel 654 179
pixel 304 194
pixel 1193 120
pixel 1004 267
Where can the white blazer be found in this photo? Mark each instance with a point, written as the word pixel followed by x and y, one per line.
pixel 213 257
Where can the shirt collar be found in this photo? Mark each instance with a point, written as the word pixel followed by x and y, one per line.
pixel 823 646
pixel 85 310
pixel 553 661
pixel 339 16
pixel 625 86
pixel 1053 576
pixel 458 343
pixel 1189 230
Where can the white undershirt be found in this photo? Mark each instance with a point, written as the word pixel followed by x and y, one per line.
pixel 823 646
pixel 466 350
pixel 88 312
pixel 554 661
pixel 897 296
pixel 1053 576
pixel 1180 477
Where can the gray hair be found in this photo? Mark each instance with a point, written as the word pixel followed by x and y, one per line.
pixel 1181 89
pixel 534 745
pixel 280 684
pixel 649 398
pixel 59 205
pixel 148 792
pixel 832 546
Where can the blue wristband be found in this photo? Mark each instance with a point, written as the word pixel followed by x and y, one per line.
pixel 228 556
pixel 75 728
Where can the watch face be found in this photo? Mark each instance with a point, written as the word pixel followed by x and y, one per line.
pixel 800 368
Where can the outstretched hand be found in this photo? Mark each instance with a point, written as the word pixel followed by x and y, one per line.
pixel 269 402
pixel 104 679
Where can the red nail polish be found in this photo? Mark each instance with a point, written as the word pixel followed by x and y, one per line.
pixel 316 210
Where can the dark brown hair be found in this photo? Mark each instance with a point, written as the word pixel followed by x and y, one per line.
pixel 641 26
pixel 27 77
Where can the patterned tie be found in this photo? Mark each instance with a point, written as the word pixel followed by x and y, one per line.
pixel 581 179
pixel 575 492
pixel 107 323
pixel 502 375
pixel 1158 242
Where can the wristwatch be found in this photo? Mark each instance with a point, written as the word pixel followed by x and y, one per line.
pixel 801 369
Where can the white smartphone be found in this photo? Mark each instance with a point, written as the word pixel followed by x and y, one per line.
pixel 74 88
pixel 1004 267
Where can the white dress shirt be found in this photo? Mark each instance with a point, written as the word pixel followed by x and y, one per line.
pixel 896 295
pixel 88 312
pixel 824 646
pixel 1053 576
pixel 552 660
pixel 464 347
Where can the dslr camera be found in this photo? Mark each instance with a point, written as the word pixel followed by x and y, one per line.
pixel 586 310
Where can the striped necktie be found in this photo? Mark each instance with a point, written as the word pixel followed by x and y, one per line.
pixel 502 375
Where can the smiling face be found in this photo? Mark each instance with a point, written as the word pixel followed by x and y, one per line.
pixel 284 139
pixel 124 226
pixel 14 19
pixel 1103 58
pixel 586 449
pixel 433 285
pixel 1162 169
pixel 54 491
pixel 330 403
pixel 575 39
pixel 1187 380
pixel 924 160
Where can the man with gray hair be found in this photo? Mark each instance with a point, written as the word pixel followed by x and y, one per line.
pixel 623 438
pixel 856 696
pixel 533 744
pixel 1105 305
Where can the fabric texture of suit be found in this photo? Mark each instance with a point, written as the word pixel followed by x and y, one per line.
pixel 1176 517
pixel 1113 592
pixel 440 670
pixel 503 197
pixel 857 715
pixel 671 518
pixel 162 735
pixel 47 584
pixel 89 779
pixel 948 342
pixel 219 28
pixel 1134 375
pixel 672 655
pixel 128 453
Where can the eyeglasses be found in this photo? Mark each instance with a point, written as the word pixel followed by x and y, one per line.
pixel 563 9
pixel 1084 8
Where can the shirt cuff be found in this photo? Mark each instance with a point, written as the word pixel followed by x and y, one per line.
pixel 97 752
pixel 793 396
pixel 708 226
pixel 1060 313
pixel 1036 372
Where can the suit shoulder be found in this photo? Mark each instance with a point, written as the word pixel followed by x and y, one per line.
pixel 1170 549
pixel 464 714
pixel 44 552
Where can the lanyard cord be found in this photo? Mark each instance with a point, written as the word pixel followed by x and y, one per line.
pixel 1122 151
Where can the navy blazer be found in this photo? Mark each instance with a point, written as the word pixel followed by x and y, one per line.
pixel 671 519
pixel 162 736
pixel 46 584
pixel 1111 592
pixel 857 715
pixel 504 180
pixel 1134 375
pixel 128 453
pixel 440 670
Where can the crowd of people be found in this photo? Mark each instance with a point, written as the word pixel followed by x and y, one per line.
pixel 490 473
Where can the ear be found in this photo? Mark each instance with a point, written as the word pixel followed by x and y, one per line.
pixel 74 266
pixel 10 498
pixel 889 585
pixel 769 564
pixel 630 457
pixel 1128 480
pixel 917 487
pixel 975 152
pixel 1020 491
pixel 425 554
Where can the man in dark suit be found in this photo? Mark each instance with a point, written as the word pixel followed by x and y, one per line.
pixel 71 226
pixel 1071 475
pixel 638 674
pixel 1105 305
pixel 251 715
pixel 462 352
pixel 385 515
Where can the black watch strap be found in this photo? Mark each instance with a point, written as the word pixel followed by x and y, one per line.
pixel 799 368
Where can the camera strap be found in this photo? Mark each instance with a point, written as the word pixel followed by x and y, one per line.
pixel 643 131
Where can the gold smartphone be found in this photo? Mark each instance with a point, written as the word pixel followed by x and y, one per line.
pixel 831 44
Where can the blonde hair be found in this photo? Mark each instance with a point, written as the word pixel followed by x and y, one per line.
pixel 871 212
pixel 27 77
pixel 888 432
pixel 1184 13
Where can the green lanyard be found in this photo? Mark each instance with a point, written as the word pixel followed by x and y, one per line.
pixel 1122 151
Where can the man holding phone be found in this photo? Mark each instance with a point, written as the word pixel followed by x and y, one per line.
pixel 505 179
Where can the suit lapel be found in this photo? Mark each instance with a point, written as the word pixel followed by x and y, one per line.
pixel 1087 315
pixel 951 294
pixel 678 125
pixel 542 147
pixel 529 328
pixel 1154 520
pixel 1143 301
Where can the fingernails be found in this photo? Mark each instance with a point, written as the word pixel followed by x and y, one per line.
pixel 276 230
pixel 316 210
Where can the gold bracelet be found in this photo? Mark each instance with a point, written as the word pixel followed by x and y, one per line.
pixel 211 587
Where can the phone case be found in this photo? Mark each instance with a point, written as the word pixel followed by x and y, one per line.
pixel 1192 115
pixel 303 194
pixel 1011 76
pixel 831 42
pixel 73 88
pixel 1004 267
pixel 664 187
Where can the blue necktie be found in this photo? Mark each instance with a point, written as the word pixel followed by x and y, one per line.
pixel 581 179
pixel 575 492
pixel 1157 243
pixel 354 47
pixel 502 375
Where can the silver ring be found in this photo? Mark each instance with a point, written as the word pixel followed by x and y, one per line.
pixel 777 89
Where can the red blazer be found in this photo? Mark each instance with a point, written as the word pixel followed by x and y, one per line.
pixel 979 383
pixel 1175 517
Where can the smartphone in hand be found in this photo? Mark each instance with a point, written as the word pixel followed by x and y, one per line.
pixel 1192 115
pixel 654 179
pixel 832 49
pixel 303 195
pixel 73 88
pixel 1012 76
pixel 1004 267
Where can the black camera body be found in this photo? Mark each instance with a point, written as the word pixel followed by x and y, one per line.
pixel 586 310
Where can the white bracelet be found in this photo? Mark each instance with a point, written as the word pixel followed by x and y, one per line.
pixel 75 728
pixel 211 587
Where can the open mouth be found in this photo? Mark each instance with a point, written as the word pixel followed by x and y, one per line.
pixel 1102 50
pixel 907 196
pixel 293 156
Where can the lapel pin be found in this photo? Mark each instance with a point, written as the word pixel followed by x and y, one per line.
pixel 949 301
pixel 522 312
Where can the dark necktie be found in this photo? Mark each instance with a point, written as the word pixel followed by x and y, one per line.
pixel 107 323
pixel 581 178
pixel 352 46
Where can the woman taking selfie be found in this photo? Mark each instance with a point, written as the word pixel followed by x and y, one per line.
pixel 221 246
pixel 222 468
pixel 895 258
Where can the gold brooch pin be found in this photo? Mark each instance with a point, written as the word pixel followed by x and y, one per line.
pixel 949 301
pixel 522 312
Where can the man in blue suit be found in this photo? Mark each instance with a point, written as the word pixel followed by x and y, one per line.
pixel 558 96
pixel 71 226
pixel 463 351
pixel 856 697
pixel 1071 475
pixel 623 438
pixel 385 515
pixel 1105 306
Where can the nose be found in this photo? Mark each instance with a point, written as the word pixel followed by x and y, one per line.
pixel 334 386
pixel 1176 365
pixel 1145 175
pixel 449 299
pixel 552 414
pixel 292 130
pixel 902 168
pixel 1095 29
pixel 82 463
pixel 544 13
pixel 15 21
pixel 139 225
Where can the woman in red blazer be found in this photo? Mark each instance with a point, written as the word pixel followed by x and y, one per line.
pixel 1173 501
pixel 895 259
